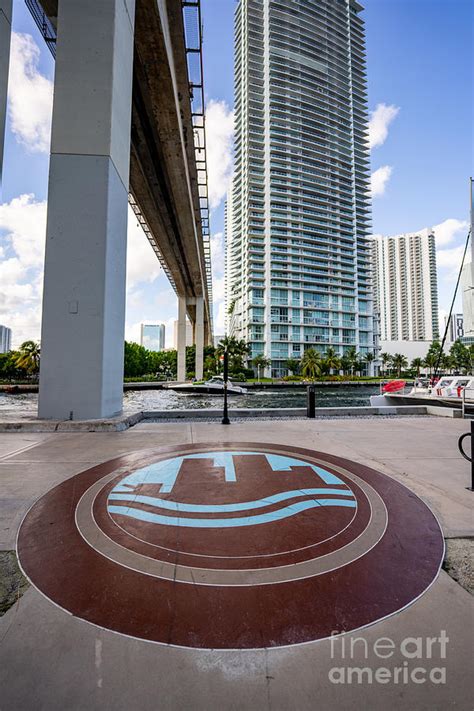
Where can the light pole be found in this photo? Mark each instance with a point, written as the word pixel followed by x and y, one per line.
pixel 225 418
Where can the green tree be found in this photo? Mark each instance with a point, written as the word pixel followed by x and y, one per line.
pixel 353 358
pixel 211 365
pixel 386 359
pixel 311 363
pixel 8 367
pixel 369 358
pixel 418 364
pixel 135 360
pixel 399 363
pixel 28 357
pixel 260 362
pixel 461 357
pixel 332 360
pixel 237 349
pixel 430 361
pixel 293 365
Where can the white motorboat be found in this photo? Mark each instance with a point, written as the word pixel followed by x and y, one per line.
pixel 214 386
pixel 448 390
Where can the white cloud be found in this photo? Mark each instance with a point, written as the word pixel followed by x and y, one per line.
pixel 379 180
pixel 24 221
pixel 30 96
pixel 218 289
pixel 219 141
pixel 450 258
pixel 447 231
pixel 219 319
pixel 142 262
pixel 380 120
pixel 218 253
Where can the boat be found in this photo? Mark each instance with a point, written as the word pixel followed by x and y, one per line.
pixel 448 391
pixel 214 386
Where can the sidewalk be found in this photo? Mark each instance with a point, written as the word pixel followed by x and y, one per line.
pixel 52 660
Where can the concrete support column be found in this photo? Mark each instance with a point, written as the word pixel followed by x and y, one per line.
pixel 84 284
pixel 199 337
pixel 181 345
pixel 5 35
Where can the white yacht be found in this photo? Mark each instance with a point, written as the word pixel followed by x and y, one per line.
pixel 214 386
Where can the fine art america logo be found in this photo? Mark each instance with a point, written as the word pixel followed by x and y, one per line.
pixel 413 660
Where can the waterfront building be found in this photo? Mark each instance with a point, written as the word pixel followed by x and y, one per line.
pixel 189 334
pixel 406 287
pixel 153 336
pixel 298 270
pixel 455 328
pixel 5 339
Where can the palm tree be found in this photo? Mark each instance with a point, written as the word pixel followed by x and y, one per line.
pixel 236 348
pixel 399 363
pixel 260 362
pixel 353 358
pixel 418 364
pixel 211 365
pixel 446 362
pixel 368 359
pixel 311 363
pixel 28 357
pixel 293 365
pixel 332 360
pixel 386 359
pixel 430 361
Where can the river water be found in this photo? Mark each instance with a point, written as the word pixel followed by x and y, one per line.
pixel 136 400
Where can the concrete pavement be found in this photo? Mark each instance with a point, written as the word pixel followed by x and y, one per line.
pixel 51 660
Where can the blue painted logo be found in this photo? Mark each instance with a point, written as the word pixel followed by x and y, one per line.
pixel 125 499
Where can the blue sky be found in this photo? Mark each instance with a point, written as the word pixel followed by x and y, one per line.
pixel 420 56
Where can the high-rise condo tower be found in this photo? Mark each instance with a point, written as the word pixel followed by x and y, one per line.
pixel 298 256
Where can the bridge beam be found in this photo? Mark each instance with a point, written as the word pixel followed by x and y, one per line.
pixel 199 338
pixel 84 285
pixel 181 340
pixel 5 34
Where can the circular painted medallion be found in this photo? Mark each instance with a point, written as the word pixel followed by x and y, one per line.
pixel 230 546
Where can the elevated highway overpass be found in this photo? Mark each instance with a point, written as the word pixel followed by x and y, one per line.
pixel 128 125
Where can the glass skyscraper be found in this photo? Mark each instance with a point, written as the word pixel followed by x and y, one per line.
pixel 297 249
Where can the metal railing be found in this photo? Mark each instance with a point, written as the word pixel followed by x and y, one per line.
pixel 43 23
pixel 193 36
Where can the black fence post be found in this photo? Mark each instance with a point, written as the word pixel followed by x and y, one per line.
pixel 225 418
pixel 471 458
pixel 311 401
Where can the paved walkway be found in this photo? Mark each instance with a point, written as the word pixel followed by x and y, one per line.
pixel 52 660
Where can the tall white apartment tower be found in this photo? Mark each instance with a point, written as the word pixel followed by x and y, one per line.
pixel 298 256
pixel 5 339
pixel 406 287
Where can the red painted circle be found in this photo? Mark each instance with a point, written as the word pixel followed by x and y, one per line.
pixel 375 582
pixel 313 532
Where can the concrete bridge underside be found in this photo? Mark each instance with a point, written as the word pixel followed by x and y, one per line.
pixel 122 124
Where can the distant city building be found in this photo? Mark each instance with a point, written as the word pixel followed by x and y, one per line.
pixel 297 251
pixel 456 327
pixel 5 339
pixel 189 334
pixel 217 340
pixel 406 287
pixel 153 336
